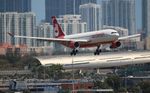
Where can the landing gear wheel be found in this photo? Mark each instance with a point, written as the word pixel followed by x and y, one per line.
pixel 74 52
pixel 98 51
pixel 95 53
pixel 71 53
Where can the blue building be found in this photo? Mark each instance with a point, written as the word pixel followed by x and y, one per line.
pixel 146 23
pixel 63 7
pixel 15 5
pixel 91 14
pixel 146 18
pixel 120 13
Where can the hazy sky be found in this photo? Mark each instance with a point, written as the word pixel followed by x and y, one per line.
pixel 38 6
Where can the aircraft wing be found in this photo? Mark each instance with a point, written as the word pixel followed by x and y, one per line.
pixel 51 39
pixel 129 37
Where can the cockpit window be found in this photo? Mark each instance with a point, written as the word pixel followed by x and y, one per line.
pixel 113 32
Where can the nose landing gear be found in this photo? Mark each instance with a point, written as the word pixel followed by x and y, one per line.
pixel 98 51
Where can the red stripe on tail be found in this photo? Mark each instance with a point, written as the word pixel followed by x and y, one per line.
pixel 57 28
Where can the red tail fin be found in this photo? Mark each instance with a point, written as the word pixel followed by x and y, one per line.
pixel 57 28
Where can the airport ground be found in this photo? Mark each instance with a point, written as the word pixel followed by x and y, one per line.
pixel 133 78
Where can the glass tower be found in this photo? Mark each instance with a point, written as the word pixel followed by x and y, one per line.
pixel 15 5
pixel 146 18
pixel 91 14
pixel 119 13
pixel 63 7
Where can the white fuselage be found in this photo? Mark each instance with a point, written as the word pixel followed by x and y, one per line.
pixel 96 37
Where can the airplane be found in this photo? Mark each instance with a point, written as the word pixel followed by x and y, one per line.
pixel 83 40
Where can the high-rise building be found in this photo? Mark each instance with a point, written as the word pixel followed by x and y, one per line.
pixel 44 30
pixel 119 13
pixel 71 24
pixel 15 5
pixel 146 17
pixel 63 7
pixel 146 22
pixel 91 14
pixel 17 23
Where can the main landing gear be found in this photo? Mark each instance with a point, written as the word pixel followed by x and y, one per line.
pixel 74 52
pixel 98 51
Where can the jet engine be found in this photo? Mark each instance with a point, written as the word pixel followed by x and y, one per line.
pixel 115 44
pixel 74 44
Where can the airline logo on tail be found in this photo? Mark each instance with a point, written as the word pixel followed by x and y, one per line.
pixel 57 28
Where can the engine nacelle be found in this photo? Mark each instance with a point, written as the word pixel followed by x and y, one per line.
pixel 115 44
pixel 74 44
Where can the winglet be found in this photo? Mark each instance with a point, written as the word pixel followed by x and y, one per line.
pixel 12 35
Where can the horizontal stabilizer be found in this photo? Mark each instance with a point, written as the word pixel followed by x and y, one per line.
pixel 12 35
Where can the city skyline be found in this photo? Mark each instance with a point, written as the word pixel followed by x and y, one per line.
pixel 96 15
pixel 40 11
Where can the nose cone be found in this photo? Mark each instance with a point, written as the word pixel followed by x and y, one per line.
pixel 117 34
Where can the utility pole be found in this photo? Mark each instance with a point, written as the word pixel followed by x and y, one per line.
pixel 72 75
